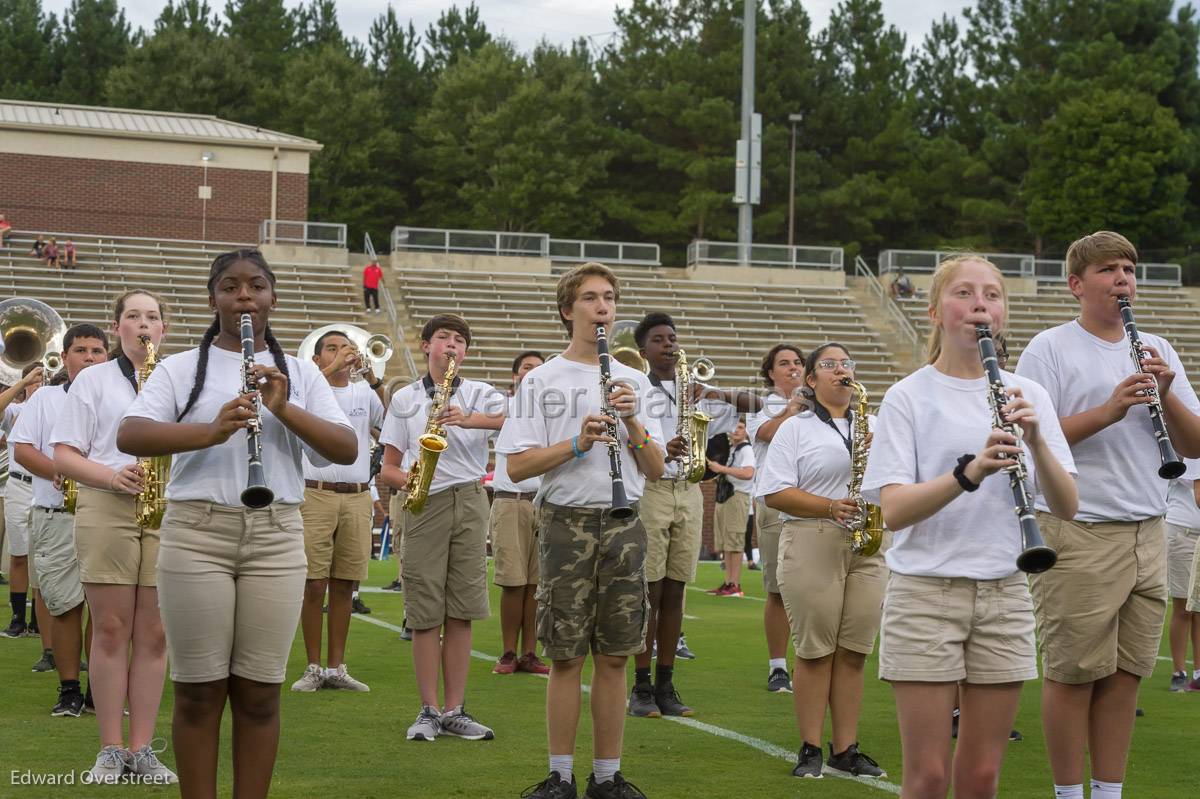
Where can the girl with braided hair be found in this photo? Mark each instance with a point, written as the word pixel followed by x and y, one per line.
pixel 231 578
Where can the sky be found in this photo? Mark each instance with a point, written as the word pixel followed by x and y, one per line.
pixel 525 22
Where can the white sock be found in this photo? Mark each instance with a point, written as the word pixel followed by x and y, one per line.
pixel 1106 790
pixel 1196 674
pixel 564 765
pixel 354 595
pixel 605 769
pixel 776 663
pixel 1068 791
pixel 330 672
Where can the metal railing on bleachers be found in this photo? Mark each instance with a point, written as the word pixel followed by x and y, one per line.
pixel 607 252
pixel 471 242
pixel 306 234
pixel 780 256
pixel 1013 264
pixel 1149 274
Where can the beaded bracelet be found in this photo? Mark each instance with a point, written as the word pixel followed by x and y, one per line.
pixel 632 446
pixel 575 447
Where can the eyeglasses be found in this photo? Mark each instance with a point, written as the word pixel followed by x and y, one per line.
pixel 829 365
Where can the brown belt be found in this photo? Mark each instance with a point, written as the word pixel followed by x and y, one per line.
pixel 338 488
pixel 529 495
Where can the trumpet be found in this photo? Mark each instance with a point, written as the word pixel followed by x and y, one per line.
pixel 371 352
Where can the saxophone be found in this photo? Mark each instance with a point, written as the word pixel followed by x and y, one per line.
pixel 432 442
pixel 151 503
pixel 691 425
pixel 70 492
pixel 866 529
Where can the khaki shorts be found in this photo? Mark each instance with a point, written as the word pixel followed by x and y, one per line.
pixel 593 594
pixel 18 499
pixel 231 589
pixel 1181 550
pixel 112 549
pixel 672 512
pixel 512 526
pixel 831 595
pixel 52 539
pixel 770 526
pixel 337 533
pixel 444 557
pixel 1102 606
pixel 729 523
pixel 396 515
pixel 951 629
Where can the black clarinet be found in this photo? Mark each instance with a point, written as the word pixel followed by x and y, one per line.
pixel 256 494
pixel 1172 466
pixel 620 504
pixel 1035 556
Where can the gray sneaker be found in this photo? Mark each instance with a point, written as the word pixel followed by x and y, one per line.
pixel 340 679
pixel 311 680
pixel 110 766
pixel 641 701
pixel 459 723
pixel 427 726
pixel 779 682
pixel 46 663
pixel 145 764
pixel 1179 681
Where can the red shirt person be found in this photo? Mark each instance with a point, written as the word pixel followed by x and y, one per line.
pixel 372 274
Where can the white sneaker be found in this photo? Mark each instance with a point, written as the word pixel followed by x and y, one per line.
pixel 311 680
pixel 110 766
pixel 146 765
pixel 427 726
pixel 340 679
pixel 459 723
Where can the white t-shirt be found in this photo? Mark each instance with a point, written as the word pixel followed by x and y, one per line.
pixel 9 422
pixel 500 481
pixel 466 455
pixel 364 409
pixel 927 422
pixel 773 405
pixel 95 405
pixel 743 457
pixel 1181 497
pixel 660 405
pixel 218 474
pixel 808 454
pixel 34 427
pixel 1118 466
pixel 551 403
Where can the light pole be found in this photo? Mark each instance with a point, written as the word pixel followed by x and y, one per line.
pixel 795 119
pixel 205 194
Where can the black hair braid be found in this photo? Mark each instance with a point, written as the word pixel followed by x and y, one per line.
pixel 280 357
pixel 201 366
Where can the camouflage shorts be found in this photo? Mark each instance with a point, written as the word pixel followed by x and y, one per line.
pixel 592 595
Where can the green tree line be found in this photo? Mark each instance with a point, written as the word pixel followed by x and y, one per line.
pixel 1016 129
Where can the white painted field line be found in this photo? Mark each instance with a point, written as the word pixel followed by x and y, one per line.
pixel 765 747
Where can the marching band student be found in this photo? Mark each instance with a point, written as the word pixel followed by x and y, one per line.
pixel 731 518
pixel 52 527
pixel 831 594
pixel 783 372
pixel 445 547
pixel 512 527
pixel 338 515
pixel 1183 530
pixel 672 511
pixel 592 594
pixel 231 578
pixel 1101 609
pixel 117 558
pixel 18 493
pixel 956 612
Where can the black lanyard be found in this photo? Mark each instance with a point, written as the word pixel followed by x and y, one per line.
pixel 656 381
pixel 427 382
pixel 824 416
pixel 127 369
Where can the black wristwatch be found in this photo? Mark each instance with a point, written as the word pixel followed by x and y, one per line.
pixel 375 386
pixel 960 473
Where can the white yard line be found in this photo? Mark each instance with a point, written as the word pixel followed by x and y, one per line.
pixel 765 747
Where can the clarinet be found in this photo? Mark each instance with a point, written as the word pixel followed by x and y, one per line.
pixel 256 493
pixel 1172 466
pixel 620 504
pixel 1035 556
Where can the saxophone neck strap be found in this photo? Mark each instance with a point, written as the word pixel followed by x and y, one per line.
pixel 430 387
pixel 127 369
pixel 657 382
pixel 823 414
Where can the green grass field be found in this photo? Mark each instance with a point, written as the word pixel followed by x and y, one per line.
pixel 352 745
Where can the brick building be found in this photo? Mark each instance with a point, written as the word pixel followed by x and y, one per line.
pixel 122 172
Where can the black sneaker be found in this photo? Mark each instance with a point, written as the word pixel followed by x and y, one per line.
pixel 553 787
pixel 754 567
pixel 809 762
pixel 667 699
pixel 70 703
pixel 394 585
pixel 616 788
pixel 357 606
pixel 16 628
pixel 779 682
pixel 641 702
pixel 854 763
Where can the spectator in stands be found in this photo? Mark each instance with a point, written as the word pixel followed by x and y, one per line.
pixel 5 230
pixel 372 274
pixel 38 245
pixel 68 255
pixel 50 254
pixel 902 286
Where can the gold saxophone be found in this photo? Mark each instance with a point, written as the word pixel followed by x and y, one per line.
pixel 152 501
pixel 70 492
pixel 690 424
pixel 432 442
pixel 866 529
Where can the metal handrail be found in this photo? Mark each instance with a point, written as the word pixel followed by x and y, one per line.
pixel 394 317
pixel 1150 274
pixel 1014 264
pixel 885 299
pixel 267 235
pixel 609 252
pixel 479 242
pixel 701 251
pixel 104 239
